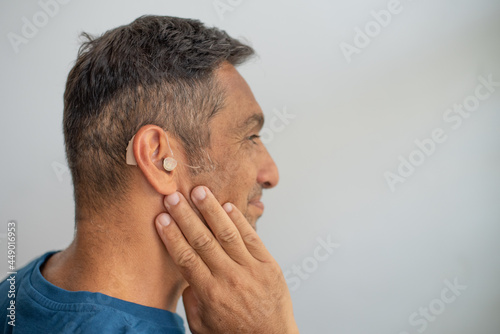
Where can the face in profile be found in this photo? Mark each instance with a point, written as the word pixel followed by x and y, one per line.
pixel 243 165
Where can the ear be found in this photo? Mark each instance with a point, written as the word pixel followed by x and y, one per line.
pixel 150 149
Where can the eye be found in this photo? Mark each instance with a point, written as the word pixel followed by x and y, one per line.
pixel 253 137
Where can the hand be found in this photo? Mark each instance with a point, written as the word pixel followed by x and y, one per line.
pixel 235 285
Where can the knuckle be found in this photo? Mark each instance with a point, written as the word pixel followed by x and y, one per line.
pixel 202 242
pixel 228 235
pixel 235 282
pixel 213 294
pixel 187 258
pixel 251 239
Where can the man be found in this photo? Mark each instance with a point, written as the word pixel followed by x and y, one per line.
pixel 140 99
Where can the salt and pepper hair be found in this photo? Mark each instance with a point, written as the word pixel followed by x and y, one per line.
pixel 156 70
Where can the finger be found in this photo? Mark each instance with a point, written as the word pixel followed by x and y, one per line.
pixel 221 225
pixel 191 266
pixel 252 241
pixel 196 233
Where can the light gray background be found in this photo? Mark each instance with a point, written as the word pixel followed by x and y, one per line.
pixel 352 122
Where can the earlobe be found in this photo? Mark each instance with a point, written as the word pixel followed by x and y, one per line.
pixel 152 154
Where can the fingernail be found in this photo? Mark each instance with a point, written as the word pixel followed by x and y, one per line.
pixel 164 219
pixel 173 199
pixel 199 193
pixel 228 207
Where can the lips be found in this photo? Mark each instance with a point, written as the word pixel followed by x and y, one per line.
pixel 257 203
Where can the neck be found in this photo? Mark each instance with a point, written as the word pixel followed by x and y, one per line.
pixel 124 259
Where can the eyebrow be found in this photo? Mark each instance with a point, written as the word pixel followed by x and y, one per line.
pixel 256 120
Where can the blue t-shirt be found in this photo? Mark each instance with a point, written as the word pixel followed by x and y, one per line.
pixel 41 307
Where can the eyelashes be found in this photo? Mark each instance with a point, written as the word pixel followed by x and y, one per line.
pixel 253 137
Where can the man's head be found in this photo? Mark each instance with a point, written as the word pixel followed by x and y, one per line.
pixel 164 75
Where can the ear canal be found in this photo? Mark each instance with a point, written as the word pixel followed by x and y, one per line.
pixel 169 164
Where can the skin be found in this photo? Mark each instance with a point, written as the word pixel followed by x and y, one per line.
pixel 204 252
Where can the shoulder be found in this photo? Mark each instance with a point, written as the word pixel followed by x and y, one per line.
pixel 10 286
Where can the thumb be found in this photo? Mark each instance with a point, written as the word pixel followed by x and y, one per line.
pixel 191 308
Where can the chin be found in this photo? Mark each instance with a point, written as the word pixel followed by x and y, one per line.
pixel 254 210
pixel 252 220
pixel 254 225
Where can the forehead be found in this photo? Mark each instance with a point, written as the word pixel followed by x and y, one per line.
pixel 240 107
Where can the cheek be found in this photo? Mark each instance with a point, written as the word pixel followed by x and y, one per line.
pixel 238 180
pixel 236 167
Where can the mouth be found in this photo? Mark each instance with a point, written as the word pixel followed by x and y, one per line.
pixel 258 204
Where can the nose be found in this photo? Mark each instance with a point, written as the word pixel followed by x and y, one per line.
pixel 268 175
